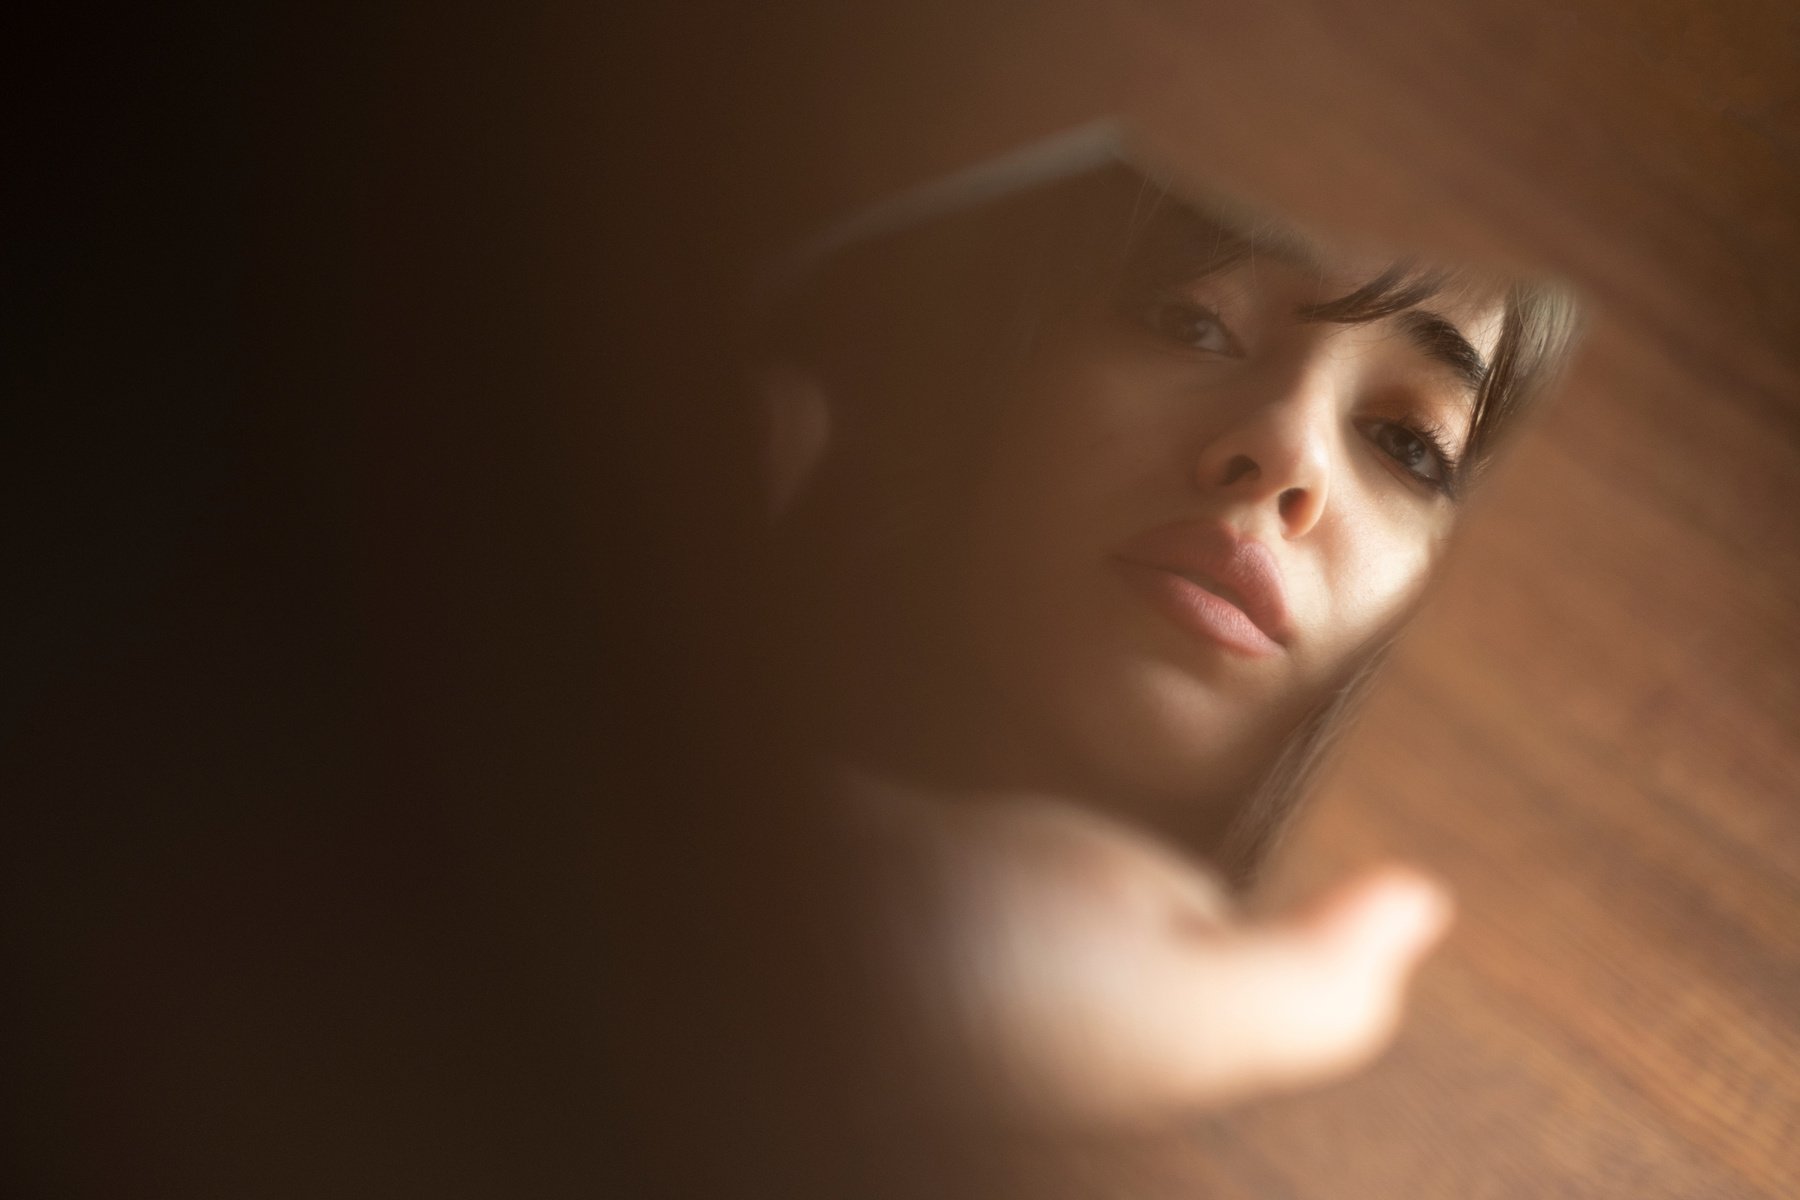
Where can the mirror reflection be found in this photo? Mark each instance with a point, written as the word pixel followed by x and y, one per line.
pixel 1095 507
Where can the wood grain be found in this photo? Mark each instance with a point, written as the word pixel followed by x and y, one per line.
pixel 1594 731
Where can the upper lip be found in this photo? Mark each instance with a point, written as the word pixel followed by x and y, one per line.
pixel 1238 569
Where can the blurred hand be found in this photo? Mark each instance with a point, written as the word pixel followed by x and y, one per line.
pixel 1097 978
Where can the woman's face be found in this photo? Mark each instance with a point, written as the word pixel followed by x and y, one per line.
pixel 1202 509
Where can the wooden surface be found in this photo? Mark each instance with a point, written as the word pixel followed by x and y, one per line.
pixel 1594 731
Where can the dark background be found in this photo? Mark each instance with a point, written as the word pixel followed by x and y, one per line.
pixel 371 426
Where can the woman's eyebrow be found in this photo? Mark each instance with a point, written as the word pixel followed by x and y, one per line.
pixel 1444 343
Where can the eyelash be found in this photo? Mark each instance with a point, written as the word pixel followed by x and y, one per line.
pixel 1152 313
pixel 1435 442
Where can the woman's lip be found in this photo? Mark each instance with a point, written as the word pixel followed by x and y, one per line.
pixel 1198 611
pixel 1214 581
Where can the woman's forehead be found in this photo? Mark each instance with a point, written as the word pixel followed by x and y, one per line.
pixel 1193 237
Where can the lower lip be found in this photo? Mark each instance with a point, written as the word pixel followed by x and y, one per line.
pixel 1198 612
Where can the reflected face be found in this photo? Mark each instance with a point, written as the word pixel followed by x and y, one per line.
pixel 1204 506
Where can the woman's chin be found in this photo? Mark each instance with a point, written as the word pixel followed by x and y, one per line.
pixel 1160 738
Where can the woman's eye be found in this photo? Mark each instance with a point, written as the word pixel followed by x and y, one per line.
pixel 1417 451
pixel 1191 325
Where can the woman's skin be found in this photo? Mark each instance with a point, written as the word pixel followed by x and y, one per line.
pixel 1087 978
pixel 1202 509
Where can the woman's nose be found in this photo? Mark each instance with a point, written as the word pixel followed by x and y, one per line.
pixel 1276 453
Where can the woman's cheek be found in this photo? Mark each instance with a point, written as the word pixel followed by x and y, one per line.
pixel 1385 577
